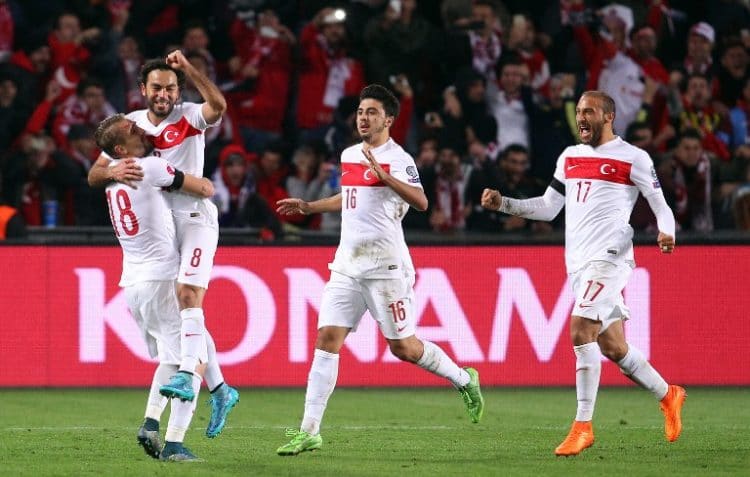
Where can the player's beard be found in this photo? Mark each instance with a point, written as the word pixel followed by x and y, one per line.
pixel 595 134
pixel 372 132
pixel 152 104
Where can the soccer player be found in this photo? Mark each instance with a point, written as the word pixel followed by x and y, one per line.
pixel 144 227
pixel 372 269
pixel 177 132
pixel 598 183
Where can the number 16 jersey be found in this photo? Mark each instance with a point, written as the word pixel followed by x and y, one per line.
pixel 372 241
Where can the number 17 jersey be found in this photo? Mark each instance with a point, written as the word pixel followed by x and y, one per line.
pixel 601 187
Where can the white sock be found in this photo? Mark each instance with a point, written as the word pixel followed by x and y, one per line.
pixel 588 370
pixel 182 414
pixel 213 375
pixel 320 384
pixel 640 371
pixel 192 339
pixel 156 402
pixel 437 362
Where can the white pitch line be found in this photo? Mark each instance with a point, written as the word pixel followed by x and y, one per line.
pixel 109 428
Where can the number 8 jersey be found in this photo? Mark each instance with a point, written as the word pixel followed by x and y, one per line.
pixel 143 224
pixel 372 241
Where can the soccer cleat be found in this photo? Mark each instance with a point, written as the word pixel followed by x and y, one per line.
pixel 180 386
pixel 222 401
pixel 176 452
pixel 301 442
pixel 150 440
pixel 580 437
pixel 472 395
pixel 671 405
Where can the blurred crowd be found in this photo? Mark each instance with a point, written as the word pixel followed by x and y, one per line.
pixel 488 90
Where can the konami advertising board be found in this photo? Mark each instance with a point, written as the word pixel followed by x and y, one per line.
pixel 501 309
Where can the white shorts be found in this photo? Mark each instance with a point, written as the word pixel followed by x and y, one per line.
pixel 154 306
pixel 598 290
pixel 197 237
pixel 389 301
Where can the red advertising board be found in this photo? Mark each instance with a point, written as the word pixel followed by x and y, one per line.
pixel 502 309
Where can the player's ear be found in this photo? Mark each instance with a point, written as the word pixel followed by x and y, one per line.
pixel 120 150
pixel 389 121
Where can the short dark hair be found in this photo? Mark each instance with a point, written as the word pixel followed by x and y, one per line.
pixel 107 136
pixel 689 133
pixel 608 104
pixel 382 94
pixel 87 83
pixel 633 127
pixel 160 64
pixel 514 148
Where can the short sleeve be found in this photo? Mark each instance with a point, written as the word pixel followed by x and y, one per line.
pixel 404 169
pixel 559 173
pixel 193 112
pixel 643 175
pixel 158 172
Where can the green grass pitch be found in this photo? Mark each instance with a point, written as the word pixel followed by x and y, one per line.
pixel 381 432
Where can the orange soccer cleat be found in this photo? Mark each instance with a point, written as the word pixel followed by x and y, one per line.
pixel 671 405
pixel 580 437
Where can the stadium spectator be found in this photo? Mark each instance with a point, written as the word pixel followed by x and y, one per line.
pixel 484 175
pixel 700 44
pixel 515 183
pixel 730 178
pixel 195 38
pixel 475 41
pixel 643 42
pixel 31 65
pixel 88 106
pixel 506 106
pixel 732 72
pixel 326 72
pixel 552 125
pixel 602 174
pixel 13 111
pixel 686 178
pixel 522 41
pixel 445 191
pixel 131 61
pixel 261 71
pixel 372 204
pixel 739 117
pixel 399 42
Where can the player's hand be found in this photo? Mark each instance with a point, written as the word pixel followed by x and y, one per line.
pixel 491 199
pixel 374 165
pixel 177 60
pixel 127 172
pixel 666 243
pixel 292 206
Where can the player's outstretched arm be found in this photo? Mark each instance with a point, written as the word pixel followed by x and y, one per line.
pixel 294 206
pixel 545 207
pixel 126 172
pixel 199 186
pixel 215 104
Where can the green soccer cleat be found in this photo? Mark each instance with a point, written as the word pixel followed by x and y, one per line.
pixel 150 440
pixel 301 442
pixel 176 452
pixel 180 386
pixel 472 395
pixel 222 401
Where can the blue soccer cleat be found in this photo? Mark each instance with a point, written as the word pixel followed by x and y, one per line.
pixel 222 401
pixel 176 452
pixel 180 386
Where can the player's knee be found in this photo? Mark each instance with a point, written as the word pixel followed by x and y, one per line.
pixel 188 297
pixel 404 351
pixel 328 341
pixel 614 351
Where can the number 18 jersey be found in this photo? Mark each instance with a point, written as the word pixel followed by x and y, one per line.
pixel 143 224
pixel 372 241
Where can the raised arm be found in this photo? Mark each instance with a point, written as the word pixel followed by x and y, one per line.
pixel 412 195
pixel 215 104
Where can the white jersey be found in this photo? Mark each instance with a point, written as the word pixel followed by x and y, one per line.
pixel 601 187
pixel 372 241
pixel 143 224
pixel 180 140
